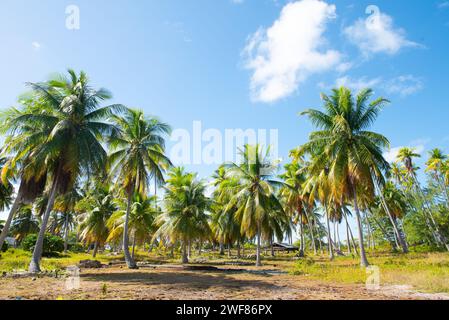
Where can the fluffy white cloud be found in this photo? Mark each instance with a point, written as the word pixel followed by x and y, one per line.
pixel 419 146
pixel 404 85
pixel 288 52
pixel 36 45
pixel 377 34
pixel 357 84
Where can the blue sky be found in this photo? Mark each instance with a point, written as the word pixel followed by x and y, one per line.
pixel 249 64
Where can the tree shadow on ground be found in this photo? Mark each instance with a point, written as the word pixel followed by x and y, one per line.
pixel 197 279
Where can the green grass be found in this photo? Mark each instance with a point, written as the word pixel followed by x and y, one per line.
pixel 18 260
pixel 423 271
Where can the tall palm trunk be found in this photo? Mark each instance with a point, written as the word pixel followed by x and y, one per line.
pixel 301 234
pixel 34 266
pixel 238 249
pixel 185 258
pixel 221 248
pixel 129 260
pixel 66 232
pixel 312 235
pixel 363 259
pixel 7 225
pixel 134 246
pixel 348 241
pixel 96 245
pixel 329 240
pixel 258 262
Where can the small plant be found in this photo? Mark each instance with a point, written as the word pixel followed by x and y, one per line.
pixel 104 289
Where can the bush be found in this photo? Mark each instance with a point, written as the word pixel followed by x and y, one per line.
pixel 76 247
pixel 52 244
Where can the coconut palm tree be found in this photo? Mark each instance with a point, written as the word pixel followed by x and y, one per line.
pixel 185 216
pixel 23 135
pixel 24 223
pixel 65 205
pixel 141 219
pixel 73 125
pixel 255 196
pixel 350 151
pixel 295 200
pixel 435 165
pixel 224 224
pixel 137 156
pixel 406 155
pixel 95 210
pixel 6 190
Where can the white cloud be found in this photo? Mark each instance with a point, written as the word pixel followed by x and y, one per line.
pixel 292 49
pixel 419 146
pixel 36 45
pixel 377 34
pixel 357 84
pixel 404 85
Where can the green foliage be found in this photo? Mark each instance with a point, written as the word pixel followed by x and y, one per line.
pixel 52 244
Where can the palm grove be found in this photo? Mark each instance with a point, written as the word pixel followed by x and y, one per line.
pixel 74 167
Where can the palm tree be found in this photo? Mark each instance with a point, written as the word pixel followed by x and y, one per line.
pixel 141 219
pixel 351 152
pixel 96 209
pixel 255 196
pixel 6 190
pixel 225 226
pixel 296 202
pixel 24 223
pixel 23 136
pixel 72 125
pixel 185 216
pixel 406 155
pixel 435 164
pixel 137 156
pixel 65 205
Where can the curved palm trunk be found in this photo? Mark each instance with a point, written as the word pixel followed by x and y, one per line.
pixel 363 259
pixel 439 237
pixel 399 235
pixel 329 240
pixel 129 260
pixel 258 262
pixel 34 266
pixel 7 225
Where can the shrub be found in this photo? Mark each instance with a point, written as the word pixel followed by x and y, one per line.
pixel 52 244
pixel 4 247
pixel 76 247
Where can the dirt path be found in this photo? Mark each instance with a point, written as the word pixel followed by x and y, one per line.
pixel 174 284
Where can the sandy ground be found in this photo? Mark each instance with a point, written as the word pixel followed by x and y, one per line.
pixel 165 283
